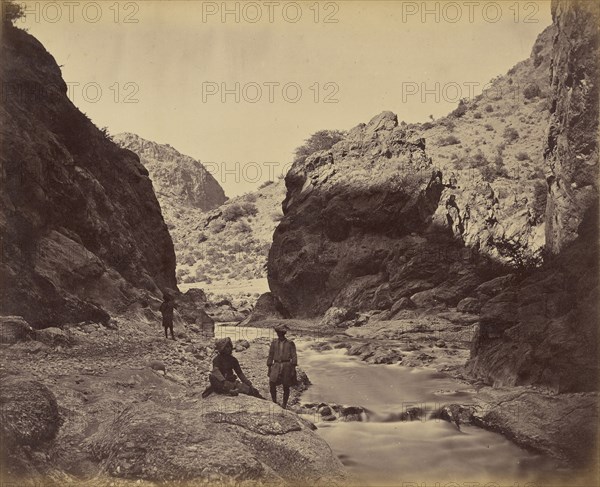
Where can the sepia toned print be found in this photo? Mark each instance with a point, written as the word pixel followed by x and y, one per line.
pixel 303 243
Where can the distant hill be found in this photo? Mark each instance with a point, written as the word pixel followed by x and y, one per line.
pixel 232 241
pixel 215 238
pixel 180 181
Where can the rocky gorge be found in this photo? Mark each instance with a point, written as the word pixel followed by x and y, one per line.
pixel 385 252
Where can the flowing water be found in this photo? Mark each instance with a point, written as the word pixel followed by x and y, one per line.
pixel 419 453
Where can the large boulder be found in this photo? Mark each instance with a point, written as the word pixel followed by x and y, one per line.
pixel 28 414
pixel 241 439
pixel 82 231
pixel 349 212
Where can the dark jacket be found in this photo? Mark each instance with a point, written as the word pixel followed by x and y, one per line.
pixel 282 362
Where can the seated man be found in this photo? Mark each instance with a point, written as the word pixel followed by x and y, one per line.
pixel 226 367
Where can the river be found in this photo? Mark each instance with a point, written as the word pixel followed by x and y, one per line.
pixel 421 453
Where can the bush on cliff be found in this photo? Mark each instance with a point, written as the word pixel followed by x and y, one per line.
pixel 321 140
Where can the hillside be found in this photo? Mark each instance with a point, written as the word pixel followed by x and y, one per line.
pixel 497 138
pixel 215 239
pixel 83 235
pixel 231 242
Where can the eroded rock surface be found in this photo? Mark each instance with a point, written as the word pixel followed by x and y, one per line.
pixel 82 231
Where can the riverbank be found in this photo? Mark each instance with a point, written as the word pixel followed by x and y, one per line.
pixel 124 408
pixel 559 426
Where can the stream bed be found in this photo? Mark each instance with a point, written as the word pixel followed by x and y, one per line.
pixel 382 451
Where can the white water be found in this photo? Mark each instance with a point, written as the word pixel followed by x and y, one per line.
pixel 420 453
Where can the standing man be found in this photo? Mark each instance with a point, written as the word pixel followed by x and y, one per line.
pixel 166 308
pixel 282 363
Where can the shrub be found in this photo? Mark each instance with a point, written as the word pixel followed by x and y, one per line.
pixel 522 156
pixel 12 11
pixel 265 184
pixel 242 227
pixel 235 211
pixel 460 110
pixel 510 134
pixel 448 140
pixel 489 108
pixel 488 127
pixel 478 160
pixel 477 115
pixel 321 140
pixel 531 91
pixel 449 124
pixel 427 126
pixel 518 254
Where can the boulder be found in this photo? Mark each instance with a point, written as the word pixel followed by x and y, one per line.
pixel 14 329
pixel 267 307
pixel 336 317
pixel 402 304
pixel 264 444
pixel 191 306
pixel 28 413
pixel 54 337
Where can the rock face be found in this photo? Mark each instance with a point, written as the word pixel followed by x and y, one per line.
pixel 572 145
pixel 82 230
pixel 543 329
pixel 179 180
pixel 349 212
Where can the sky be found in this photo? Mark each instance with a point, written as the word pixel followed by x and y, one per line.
pixel 240 85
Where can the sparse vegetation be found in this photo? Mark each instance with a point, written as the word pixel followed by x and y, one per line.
pixel 449 140
pixel 12 11
pixel 510 134
pixel 265 184
pixel 321 140
pixel 531 91
pixel 235 211
pixel 460 110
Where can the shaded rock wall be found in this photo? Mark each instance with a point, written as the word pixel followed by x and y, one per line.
pixel 82 231
pixel 543 329
pixel 572 145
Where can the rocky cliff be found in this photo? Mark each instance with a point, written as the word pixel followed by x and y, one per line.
pixel 180 181
pixel 543 329
pixel 349 220
pixel 82 231
pixel 572 144
pixel 491 201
